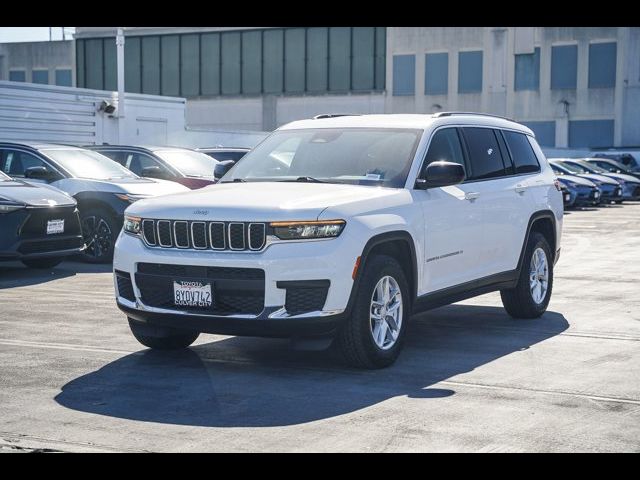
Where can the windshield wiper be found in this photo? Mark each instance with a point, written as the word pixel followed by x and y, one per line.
pixel 305 179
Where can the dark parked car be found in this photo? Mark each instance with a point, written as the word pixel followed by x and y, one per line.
pixel 610 188
pixel 39 225
pixel 580 192
pixel 182 165
pixel 629 160
pixel 613 166
pixel 102 188
pixel 630 184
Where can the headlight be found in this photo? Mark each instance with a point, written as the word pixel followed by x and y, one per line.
pixel 132 225
pixel 131 198
pixel 307 230
pixel 10 207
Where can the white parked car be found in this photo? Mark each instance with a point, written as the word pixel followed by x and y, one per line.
pixel 341 227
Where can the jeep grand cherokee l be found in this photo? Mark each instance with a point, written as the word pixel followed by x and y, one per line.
pixel 341 228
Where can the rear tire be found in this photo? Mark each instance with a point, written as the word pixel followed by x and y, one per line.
pixel 618 202
pixel 162 338
pixel 99 231
pixel 531 295
pixel 41 263
pixel 382 308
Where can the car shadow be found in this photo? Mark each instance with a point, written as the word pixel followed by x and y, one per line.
pixel 15 274
pixel 252 382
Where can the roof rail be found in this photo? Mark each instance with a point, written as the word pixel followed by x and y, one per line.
pixel 333 115
pixel 451 114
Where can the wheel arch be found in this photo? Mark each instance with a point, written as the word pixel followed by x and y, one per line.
pixel 544 222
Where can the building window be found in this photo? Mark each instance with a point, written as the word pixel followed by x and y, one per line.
pixel 150 54
pixel 294 68
pixel 190 65
pixel 545 132
pixel 63 78
pixel 317 58
pixel 602 65
pixel 339 59
pixel 404 74
pixel 169 65
pixel 436 73
pixel 527 71
pixel 252 62
pixel 564 66
pixel 210 63
pixel 40 76
pixel 17 76
pixel 470 72
pixel 591 133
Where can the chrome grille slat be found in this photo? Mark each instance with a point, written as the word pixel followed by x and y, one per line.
pixel 200 235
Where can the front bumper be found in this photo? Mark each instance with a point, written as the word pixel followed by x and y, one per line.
pixel 284 266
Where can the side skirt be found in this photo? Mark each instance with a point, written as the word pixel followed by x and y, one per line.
pixel 467 290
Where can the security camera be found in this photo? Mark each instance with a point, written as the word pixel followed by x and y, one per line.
pixel 106 107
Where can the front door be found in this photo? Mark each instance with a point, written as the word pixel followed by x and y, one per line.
pixel 452 219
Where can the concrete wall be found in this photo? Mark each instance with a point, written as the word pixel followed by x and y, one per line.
pixel 28 56
pixel 498 96
pixel 46 113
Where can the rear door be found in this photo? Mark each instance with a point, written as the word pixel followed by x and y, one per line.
pixel 503 197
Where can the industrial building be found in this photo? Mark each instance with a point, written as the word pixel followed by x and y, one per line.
pixel 576 87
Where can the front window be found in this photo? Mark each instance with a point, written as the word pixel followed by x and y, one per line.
pixel 357 156
pixel 192 164
pixel 88 164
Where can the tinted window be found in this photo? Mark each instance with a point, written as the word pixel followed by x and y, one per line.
pixel 15 162
pixel 484 153
pixel 524 159
pixel 445 145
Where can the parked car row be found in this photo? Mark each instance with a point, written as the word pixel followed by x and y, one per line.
pixel 60 200
pixel 594 181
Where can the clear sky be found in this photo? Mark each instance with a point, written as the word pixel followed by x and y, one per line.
pixel 33 34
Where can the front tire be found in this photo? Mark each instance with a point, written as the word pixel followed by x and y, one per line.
pixel 162 338
pixel 531 295
pixel 41 263
pixel 373 335
pixel 99 231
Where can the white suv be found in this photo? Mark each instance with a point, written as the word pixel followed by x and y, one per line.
pixel 341 227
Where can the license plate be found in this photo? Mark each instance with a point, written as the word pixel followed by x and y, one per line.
pixel 192 294
pixel 596 194
pixel 55 226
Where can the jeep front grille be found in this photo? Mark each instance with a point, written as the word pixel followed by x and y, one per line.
pixel 198 235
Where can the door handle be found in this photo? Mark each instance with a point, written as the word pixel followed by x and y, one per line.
pixel 471 196
pixel 520 188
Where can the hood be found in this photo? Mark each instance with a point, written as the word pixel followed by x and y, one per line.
pixel 622 176
pixel 33 194
pixel 600 178
pixel 133 186
pixel 262 201
pixel 577 180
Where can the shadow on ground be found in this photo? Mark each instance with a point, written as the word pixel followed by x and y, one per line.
pixel 250 382
pixel 15 274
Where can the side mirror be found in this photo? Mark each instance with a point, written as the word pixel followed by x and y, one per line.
pixel 441 174
pixel 223 167
pixel 152 172
pixel 39 173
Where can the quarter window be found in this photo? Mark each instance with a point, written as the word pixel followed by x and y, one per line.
pixel 524 159
pixel 484 153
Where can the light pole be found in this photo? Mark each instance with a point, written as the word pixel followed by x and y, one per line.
pixel 120 67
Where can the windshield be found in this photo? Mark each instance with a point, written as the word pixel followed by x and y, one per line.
pixel 574 167
pixel 192 164
pixel 612 166
pixel 557 169
pixel 358 156
pixel 88 164
pixel 592 168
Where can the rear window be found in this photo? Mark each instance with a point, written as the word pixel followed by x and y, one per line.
pixel 524 159
pixel 484 153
